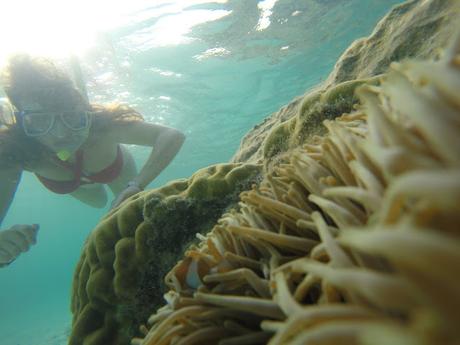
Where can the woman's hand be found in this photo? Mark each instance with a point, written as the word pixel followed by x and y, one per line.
pixel 132 189
pixel 15 241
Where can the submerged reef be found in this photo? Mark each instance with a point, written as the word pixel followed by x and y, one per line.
pixel 414 29
pixel 353 239
pixel 350 235
pixel 119 278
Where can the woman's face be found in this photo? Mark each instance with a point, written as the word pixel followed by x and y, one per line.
pixel 57 129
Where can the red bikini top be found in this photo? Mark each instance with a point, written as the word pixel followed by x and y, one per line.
pixel 106 175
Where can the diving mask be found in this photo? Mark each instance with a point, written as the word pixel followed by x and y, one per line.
pixel 37 123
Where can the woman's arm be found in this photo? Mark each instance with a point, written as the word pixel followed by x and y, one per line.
pixel 165 141
pixel 18 238
pixel 9 181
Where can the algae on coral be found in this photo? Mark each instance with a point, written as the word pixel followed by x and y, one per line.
pixel 119 278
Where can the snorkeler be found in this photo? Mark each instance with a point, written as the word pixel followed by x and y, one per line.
pixel 48 127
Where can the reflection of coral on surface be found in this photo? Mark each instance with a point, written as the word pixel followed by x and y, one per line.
pixel 355 240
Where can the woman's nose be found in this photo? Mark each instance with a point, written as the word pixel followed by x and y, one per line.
pixel 59 130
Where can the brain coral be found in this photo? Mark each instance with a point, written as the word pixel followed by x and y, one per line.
pixel 118 280
pixel 353 240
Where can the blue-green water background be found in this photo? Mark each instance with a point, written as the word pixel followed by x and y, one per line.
pixel 213 100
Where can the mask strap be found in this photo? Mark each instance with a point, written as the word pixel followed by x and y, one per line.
pixel 7 117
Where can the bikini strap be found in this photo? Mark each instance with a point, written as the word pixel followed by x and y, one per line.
pixel 65 187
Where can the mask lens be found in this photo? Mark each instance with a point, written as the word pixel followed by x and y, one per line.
pixel 37 123
pixel 75 120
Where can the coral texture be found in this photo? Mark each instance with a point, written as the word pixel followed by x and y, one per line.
pixel 413 29
pixel 353 240
pixel 119 278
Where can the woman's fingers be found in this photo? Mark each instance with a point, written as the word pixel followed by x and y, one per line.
pixel 25 235
pixel 16 240
pixel 30 233
pixel 125 194
pixel 8 252
pixel 8 249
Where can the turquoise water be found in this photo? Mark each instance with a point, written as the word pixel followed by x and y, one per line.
pixel 213 70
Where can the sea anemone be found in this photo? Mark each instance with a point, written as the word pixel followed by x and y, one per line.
pixel 352 240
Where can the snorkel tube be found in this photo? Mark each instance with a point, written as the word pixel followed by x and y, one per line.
pixel 77 75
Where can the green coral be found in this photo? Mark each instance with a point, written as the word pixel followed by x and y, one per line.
pixel 118 281
pixel 316 107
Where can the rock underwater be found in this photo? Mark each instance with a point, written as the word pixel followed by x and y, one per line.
pixel 118 281
pixel 414 29
pixel 351 237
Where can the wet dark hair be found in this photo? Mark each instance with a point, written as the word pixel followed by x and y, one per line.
pixel 40 80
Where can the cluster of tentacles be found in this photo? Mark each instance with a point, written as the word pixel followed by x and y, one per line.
pixel 355 240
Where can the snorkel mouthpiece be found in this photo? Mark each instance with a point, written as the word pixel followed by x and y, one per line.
pixel 63 155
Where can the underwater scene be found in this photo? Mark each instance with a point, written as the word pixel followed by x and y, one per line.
pixel 230 172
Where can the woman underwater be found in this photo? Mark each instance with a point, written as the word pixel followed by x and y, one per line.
pixel 73 147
